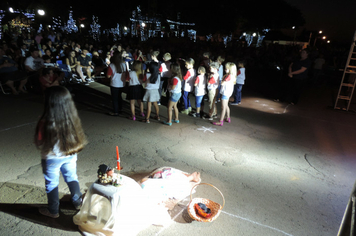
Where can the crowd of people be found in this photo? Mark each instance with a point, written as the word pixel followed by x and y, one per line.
pixel 210 72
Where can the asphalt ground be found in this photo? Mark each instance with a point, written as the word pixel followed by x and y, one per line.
pixel 282 169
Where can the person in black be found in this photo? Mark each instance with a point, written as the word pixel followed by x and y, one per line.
pixel 298 73
pixel 84 61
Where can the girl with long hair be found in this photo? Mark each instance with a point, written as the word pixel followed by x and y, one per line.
pixel 175 89
pixel 117 81
pixel 59 136
pixel 136 89
pixel 226 90
pixel 152 87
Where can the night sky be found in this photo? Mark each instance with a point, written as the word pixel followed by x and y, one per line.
pixel 336 18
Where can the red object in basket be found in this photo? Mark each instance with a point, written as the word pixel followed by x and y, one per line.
pixel 202 210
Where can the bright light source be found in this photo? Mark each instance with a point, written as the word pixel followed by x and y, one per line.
pixel 81 25
pixel 328 41
pixel 324 37
pixel 254 34
pixel 49 26
pixel 244 34
pixel 293 27
pixel 125 28
pixel 143 24
pixel 320 32
pixel 11 10
pixel 41 12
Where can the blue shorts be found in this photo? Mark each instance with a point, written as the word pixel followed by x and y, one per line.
pixel 175 97
pixel 224 97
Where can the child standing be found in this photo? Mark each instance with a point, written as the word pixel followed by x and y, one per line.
pixel 220 60
pixel 136 89
pixel 227 87
pixel 59 136
pixel 213 84
pixel 175 89
pixel 189 79
pixel 240 81
pixel 152 87
pixel 200 84
pixel 166 73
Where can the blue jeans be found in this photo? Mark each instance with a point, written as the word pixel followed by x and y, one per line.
pixel 199 101
pixel 68 167
pixel 237 93
pixel 186 100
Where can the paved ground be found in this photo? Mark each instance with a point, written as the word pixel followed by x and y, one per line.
pixel 283 170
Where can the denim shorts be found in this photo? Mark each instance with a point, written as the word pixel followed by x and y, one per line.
pixel 175 97
pixel 224 97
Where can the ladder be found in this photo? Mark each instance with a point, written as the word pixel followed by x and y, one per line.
pixel 348 81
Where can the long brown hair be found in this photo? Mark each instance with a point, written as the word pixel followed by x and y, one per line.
pixel 118 61
pixel 60 123
pixel 176 71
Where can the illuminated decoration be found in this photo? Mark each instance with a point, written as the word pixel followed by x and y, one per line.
pixel 261 37
pixel 2 15
pixel 192 34
pixel 40 29
pixel 227 39
pixel 148 27
pixel 116 32
pixel 249 37
pixel 71 26
pixel 57 23
pixel 95 28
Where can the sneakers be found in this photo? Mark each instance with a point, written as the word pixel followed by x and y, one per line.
pixel 196 115
pixel 90 80
pixel 189 109
pixel 44 211
pixel 186 112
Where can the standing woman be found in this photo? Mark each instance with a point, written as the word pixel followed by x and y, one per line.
pixel 175 89
pixel 227 87
pixel 117 81
pixel 59 136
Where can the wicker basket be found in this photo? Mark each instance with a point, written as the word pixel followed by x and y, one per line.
pixel 214 207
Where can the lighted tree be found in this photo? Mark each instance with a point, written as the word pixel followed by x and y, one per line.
pixel 95 28
pixel 71 24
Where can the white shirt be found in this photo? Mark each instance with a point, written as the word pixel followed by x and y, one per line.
pixel 117 80
pixel 201 84
pixel 150 86
pixel 134 79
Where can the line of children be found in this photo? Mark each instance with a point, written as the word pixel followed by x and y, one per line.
pixel 154 84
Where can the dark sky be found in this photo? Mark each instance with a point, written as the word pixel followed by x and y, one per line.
pixel 336 18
